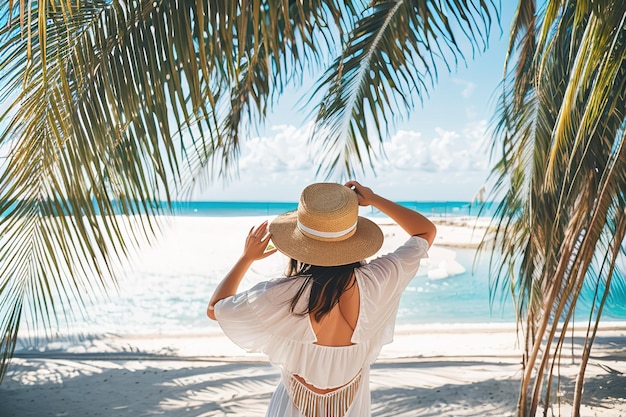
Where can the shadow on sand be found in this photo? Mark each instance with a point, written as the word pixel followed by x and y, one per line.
pixel 135 384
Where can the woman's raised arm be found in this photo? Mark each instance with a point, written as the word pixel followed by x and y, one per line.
pixel 411 221
pixel 254 249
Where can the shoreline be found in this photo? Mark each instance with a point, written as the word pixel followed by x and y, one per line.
pixel 196 251
pixel 458 231
pixel 410 341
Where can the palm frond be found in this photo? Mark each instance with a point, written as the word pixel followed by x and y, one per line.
pixel 566 204
pixel 391 57
pixel 264 49
pixel 109 105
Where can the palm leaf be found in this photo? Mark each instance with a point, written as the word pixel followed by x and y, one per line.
pixel 565 203
pixel 391 57
pixel 109 105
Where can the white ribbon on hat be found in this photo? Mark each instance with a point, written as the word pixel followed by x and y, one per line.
pixel 327 235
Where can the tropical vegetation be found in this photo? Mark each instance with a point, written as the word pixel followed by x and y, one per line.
pixel 111 107
pixel 562 173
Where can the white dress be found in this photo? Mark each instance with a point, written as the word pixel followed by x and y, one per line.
pixel 259 320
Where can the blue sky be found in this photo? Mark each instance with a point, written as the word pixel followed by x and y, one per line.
pixel 440 153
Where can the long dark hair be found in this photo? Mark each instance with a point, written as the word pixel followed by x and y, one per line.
pixel 328 283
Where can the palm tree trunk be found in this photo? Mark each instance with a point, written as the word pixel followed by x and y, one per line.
pixel 550 305
pixel 589 339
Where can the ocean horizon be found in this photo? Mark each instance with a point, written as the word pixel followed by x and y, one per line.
pixel 261 208
pixel 231 208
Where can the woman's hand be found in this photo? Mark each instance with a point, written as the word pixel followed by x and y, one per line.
pixel 366 195
pixel 253 250
pixel 411 221
pixel 256 243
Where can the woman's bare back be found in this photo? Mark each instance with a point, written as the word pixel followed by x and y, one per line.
pixel 336 327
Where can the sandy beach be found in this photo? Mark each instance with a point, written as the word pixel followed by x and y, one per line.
pixel 429 370
pixel 424 372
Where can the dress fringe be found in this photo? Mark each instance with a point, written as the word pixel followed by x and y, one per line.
pixel 332 404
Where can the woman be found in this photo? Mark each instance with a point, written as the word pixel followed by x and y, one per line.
pixel 327 320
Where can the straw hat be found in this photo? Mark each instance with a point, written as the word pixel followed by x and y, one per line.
pixel 326 229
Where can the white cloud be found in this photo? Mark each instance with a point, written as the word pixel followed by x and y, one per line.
pixel 468 87
pixel 471 113
pixel 275 166
pixel 284 151
pixel 446 151
pixel 444 165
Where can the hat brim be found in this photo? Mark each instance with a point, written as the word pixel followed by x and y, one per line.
pixel 286 236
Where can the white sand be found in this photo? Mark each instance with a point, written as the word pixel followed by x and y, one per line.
pixel 436 370
pixel 449 371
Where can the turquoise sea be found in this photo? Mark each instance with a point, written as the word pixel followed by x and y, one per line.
pixel 166 290
pixel 462 298
pixel 249 208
